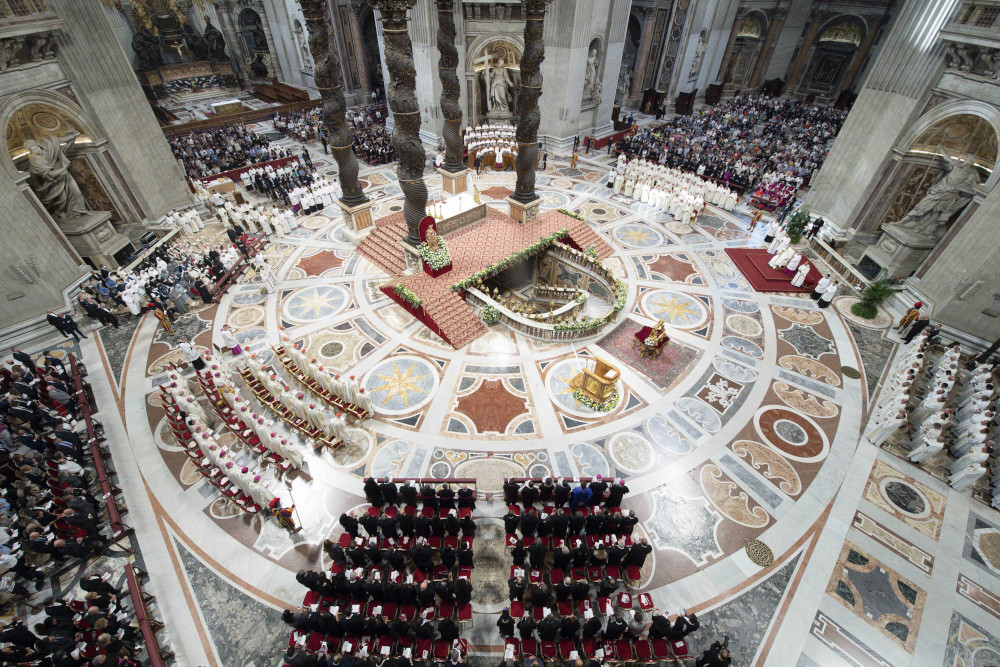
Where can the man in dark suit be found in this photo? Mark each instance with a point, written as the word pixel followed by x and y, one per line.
pixel 71 327
pixel 57 322
pixel 25 360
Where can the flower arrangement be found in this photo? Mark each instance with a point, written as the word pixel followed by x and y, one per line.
pixel 606 406
pixel 436 259
pixel 591 254
pixel 581 297
pixel 621 293
pixel 572 215
pixel 586 325
pixel 509 261
pixel 489 315
pixel 407 295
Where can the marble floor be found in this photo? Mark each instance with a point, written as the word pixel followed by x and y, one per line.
pixel 747 429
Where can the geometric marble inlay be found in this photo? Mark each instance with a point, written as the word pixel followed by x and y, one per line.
pixel 806 341
pixel 906 499
pixel 982 544
pixel 894 542
pixel 878 595
pixel 969 645
pixel 684 524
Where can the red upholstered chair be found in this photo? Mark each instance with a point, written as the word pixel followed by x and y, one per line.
pixel 555 576
pixel 565 607
pixel 679 648
pixel 510 540
pixel 583 606
pixel 529 647
pixel 633 574
pixel 612 571
pixel 373 511
pixel 645 602
pixel 604 605
pixel 312 597
pixel 548 650
pixel 644 651
pixel 465 613
pixel 446 610
pixel 538 613
pixel 535 576
pixel 441 648
pixel 514 642
pixel 344 541
pixel 566 646
pixel 465 572
pixel 423 648
pixel 625 600
pixel 517 609
pixel 579 574
pixel 589 645
pixel 594 573
pixel 623 649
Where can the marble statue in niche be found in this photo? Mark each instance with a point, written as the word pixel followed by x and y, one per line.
pixel 591 86
pixel 48 163
pixel 303 43
pixel 952 192
pixel 699 55
pixel 500 86
pixel 216 42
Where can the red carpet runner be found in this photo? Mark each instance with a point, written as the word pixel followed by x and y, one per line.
pixel 752 263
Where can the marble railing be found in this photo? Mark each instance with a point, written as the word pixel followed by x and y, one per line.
pixel 841 266
pixel 536 326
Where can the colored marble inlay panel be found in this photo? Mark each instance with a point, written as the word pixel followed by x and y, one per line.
pixel 893 542
pixel 905 498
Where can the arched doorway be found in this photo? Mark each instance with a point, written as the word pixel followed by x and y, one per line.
pixel 836 47
pixel 630 57
pixel 373 58
pixel 251 29
pixel 749 40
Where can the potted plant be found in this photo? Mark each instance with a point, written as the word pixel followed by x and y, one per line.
pixel 873 296
pixel 796 224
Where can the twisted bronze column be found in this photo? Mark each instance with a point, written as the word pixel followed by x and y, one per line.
pixel 450 89
pixel 331 87
pixel 405 110
pixel 528 116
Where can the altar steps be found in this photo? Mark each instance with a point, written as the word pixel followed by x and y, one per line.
pixel 381 247
pixel 455 319
pixel 584 236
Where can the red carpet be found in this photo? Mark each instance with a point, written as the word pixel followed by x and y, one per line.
pixel 752 263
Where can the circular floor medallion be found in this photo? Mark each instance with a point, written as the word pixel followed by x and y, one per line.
pixel 759 553
pixel 905 497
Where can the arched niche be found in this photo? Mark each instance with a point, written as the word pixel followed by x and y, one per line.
pixel 750 36
pixel 593 73
pixel 963 128
pixel 482 56
pixel 837 45
pixel 41 114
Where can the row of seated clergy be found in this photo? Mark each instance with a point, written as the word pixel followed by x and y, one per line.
pixel 347 390
pixel 334 428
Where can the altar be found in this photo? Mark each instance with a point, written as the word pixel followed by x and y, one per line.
pixel 227 106
pixel 457 212
pixel 221 185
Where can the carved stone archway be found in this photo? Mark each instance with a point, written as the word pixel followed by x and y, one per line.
pixel 485 50
pixel 960 126
pixel 840 42
pixel 742 58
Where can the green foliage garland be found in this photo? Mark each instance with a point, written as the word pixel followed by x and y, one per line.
pixel 407 295
pixel 490 315
pixel 796 224
pixel 507 262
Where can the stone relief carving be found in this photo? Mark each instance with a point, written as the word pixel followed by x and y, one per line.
pixel 976 61
pixel 591 84
pixel 16 51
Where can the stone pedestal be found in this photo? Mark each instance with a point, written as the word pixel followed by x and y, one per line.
pixel 358 219
pixel 414 263
pixel 94 237
pixel 899 250
pixel 454 182
pixel 524 212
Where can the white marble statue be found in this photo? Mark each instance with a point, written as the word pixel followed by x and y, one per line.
pixel 55 186
pixel 499 85
pixel 952 191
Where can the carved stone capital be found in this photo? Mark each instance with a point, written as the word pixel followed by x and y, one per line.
pixel 393 12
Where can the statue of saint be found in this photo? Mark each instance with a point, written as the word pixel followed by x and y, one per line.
pixel 590 79
pixel 54 185
pixel 500 84
pixel 216 42
pixel 699 54
pixel 147 50
pixel 431 237
pixel 952 192
pixel 196 43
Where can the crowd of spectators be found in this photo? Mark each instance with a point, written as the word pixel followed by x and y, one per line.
pixel 399 587
pixel 742 139
pixel 223 149
pixel 49 519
